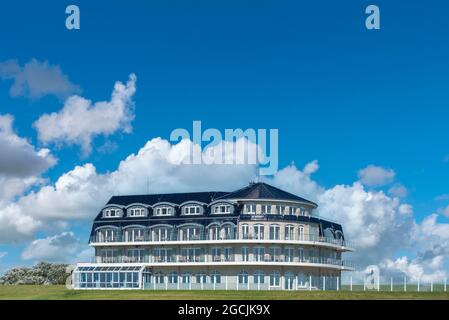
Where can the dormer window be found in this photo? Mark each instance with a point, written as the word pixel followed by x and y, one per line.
pixel 222 209
pixel 111 213
pixel 163 211
pixel 136 212
pixel 191 210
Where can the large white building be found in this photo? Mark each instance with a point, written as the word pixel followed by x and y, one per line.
pixel 256 238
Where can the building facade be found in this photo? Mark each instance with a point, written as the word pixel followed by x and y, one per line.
pixel 255 238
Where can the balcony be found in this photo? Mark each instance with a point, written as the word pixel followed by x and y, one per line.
pixel 229 259
pixel 205 237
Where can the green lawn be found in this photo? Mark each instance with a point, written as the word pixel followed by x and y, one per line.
pixel 60 292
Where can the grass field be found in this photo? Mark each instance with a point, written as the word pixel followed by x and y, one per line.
pixel 60 292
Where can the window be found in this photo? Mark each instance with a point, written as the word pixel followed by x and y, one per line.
pixel 191 210
pixel 135 234
pixel 190 233
pixel 186 278
pixel 275 254
pixel 302 280
pixel 173 277
pixel 289 280
pixel 214 232
pixel 228 232
pixel 275 279
pixel 289 254
pixel 162 255
pixel 275 232
pixel 136 212
pixel 292 210
pixel 164 211
pixel 228 254
pixel 300 232
pixel 259 253
pixel 259 231
pixel 259 277
pixel 289 232
pixel 245 254
pixel 109 256
pixel 280 209
pixel 159 278
pixel 266 209
pixel 201 277
pixel 243 277
pixel 216 277
pixel 250 208
pixel 136 255
pixel 191 254
pixel 111 213
pixel 216 254
pixel 302 211
pixel 108 235
pixel 222 209
pixel 161 233
pixel 301 254
pixel 245 231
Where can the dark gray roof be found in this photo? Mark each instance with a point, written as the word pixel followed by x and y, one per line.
pixel 253 191
pixel 262 190
pixel 176 198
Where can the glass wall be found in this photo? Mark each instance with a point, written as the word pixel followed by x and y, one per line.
pixel 107 277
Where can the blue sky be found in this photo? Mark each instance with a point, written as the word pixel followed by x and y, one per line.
pixel 338 93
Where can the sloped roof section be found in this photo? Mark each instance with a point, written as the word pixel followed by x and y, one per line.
pixel 262 190
pixel 176 198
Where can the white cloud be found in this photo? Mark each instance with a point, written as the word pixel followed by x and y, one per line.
pixel 298 181
pixel 80 121
pixel 19 158
pixel 21 164
pixel 375 176
pixel 36 79
pixel 81 192
pixel 3 254
pixel 378 225
pixel 398 191
pixel 63 247
pixel 444 211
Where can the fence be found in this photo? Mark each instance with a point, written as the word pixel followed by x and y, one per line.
pixel 393 284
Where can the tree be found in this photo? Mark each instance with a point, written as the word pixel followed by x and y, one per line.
pixel 43 273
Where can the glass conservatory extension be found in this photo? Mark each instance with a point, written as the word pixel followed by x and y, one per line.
pixel 96 277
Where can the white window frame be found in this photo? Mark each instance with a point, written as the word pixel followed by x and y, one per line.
pixel 136 212
pixel 259 231
pixel 266 209
pixel 191 210
pixel 245 231
pixel 107 213
pixel 245 253
pixel 275 279
pixel 280 209
pixel 275 232
pixel 163 211
pixel 251 208
pixel 218 207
